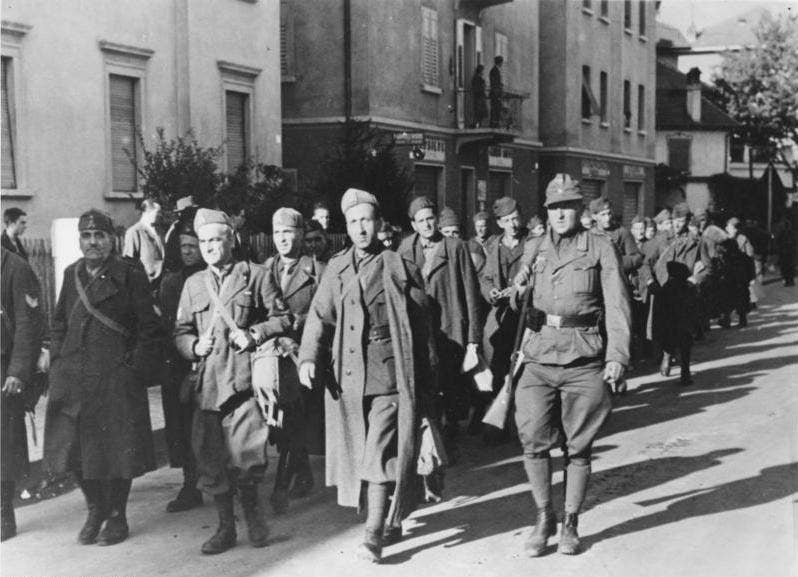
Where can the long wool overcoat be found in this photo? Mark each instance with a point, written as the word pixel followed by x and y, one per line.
pixel 337 312
pixel 98 377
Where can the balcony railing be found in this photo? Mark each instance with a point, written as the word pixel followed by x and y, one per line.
pixel 481 111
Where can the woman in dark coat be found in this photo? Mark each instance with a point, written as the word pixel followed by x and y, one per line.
pixel 106 338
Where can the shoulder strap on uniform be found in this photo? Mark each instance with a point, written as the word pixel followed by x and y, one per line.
pixel 105 320
pixel 218 307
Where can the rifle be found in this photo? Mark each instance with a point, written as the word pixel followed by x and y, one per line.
pixel 496 415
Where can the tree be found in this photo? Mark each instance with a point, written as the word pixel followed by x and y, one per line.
pixel 759 85
pixel 365 157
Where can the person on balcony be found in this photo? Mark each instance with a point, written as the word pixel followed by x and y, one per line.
pixel 479 96
pixel 496 91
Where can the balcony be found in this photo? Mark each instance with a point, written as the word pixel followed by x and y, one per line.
pixel 482 4
pixel 477 120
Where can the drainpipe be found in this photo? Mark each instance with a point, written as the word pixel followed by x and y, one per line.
pixel 347 59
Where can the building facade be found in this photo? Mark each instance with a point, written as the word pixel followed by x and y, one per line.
pixel 408 68
pixel 597 95
pixel 81 81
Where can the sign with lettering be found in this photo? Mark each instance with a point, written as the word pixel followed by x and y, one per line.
pixel 595 169
pixel 409 138
pixel 633 171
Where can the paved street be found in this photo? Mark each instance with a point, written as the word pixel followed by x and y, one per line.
pixel 687 482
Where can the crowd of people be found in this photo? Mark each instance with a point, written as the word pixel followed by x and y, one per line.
pixel 379 357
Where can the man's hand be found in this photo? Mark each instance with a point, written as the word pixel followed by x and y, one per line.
pixel 43 363
pixel 12 386
pixel 203 346
pixel 522 278
pixel 307 372
pixel 613 372
pixel 242 340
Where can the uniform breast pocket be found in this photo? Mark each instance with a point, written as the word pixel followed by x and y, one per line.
pixel 242 311
pixel 585 277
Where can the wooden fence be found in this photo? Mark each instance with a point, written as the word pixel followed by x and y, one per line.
pixel 40 257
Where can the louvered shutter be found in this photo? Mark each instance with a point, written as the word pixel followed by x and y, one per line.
pixel 9 172
pixel 631 201
pixel 426 181
pixel 679 154
pixel 286 41
pixel 591 188
pixel 236 109
pixel 123 132
pixel 429 35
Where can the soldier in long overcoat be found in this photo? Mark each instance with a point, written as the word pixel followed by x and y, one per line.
pixel 229 433
pixel 176 397
pixel 106 339
pixel 22 326
pixel 298 276
pixel 372 306
pixel 451 283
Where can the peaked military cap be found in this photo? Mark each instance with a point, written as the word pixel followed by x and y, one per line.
pixel 599 204
pixel 504 206
pixel 94 219
pixel 448 217
pixel 419 203
pixel 208 216
pixel 562 188
pixel 287 217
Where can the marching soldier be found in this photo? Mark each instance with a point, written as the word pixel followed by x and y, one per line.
pixel 298 277
pixel 176 393
pixel 22 326
pixel 606 222
pixel 371 305
pixel 106 338
pixel 452 287
pixel 448 223
pixel 226 311
pixel 575 278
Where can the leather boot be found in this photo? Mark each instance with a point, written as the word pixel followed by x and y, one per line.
pixel 8 528
pixel 686 377
pixel 225 536
pixel 371 548
pixel 116 529
pixel 391 535
pixel 253 508
pixel 303 475
pixel 545 527
pixel 97 509
pixel 282 479
pixel 569 538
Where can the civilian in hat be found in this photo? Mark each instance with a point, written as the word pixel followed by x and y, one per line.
pixel 680 269
pixel 536 227
pixel 448 223
pixel 317 244
pixel 574 278
pixel 607 223
pixel 451 284
pixel 225 312
pixel 297 275
pixel 106 340
pixel 371 307
pixel 502 263
pixel 178 378
pixel 478 243
pixel 143 241
pixel 22 329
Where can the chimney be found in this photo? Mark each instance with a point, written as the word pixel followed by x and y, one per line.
pixel 694 94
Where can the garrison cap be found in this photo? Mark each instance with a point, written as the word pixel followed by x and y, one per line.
pixel 599 204
pixel 419 203
pixel 184 202
pixel 482 215
pixel 448 217
pixel 504 206
pixel 682 210
pixel 662 216
pixel 208 216
pixel 94 219
pixel 562 188
pixel 354 196
pixel 287 217
pixel 638 219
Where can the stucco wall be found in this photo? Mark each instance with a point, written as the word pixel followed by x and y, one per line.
pixel 707 151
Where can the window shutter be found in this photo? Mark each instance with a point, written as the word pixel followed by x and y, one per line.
pixel 286 41
pixel 591 188
pixel 123 132
pixel 236 112
pixel 631 199
pixel 679 154
pixel 429 34
pixel 9 173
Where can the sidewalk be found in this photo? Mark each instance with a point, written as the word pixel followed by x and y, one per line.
pixel 696 481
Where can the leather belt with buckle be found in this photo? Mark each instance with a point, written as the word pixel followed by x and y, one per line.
pixel 571 321
pixel 379 333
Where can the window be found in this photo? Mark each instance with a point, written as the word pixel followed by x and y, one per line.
pixel 124 108
pixel 9 167
pixel 679 154
pixel 642 22
pixel 641 107
pixel 587 5
pixel 429 40
pixel 287 71
pixel 627 104
pixel 605 8
pixel 627 14
pixel 591 188
pixel 501 46
pixel 499 183
pixel 427 182
pixel 237 128
pixel 631 201
pixel 737 149
pixel 603 96
pixel 589 104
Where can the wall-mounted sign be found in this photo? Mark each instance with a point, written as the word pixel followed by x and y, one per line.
pixel 634 172
pixel 595 169
pixel 409 138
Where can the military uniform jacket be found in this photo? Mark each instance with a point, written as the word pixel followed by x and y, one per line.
pixel 338 313
pixel 494 276
pixel 141 244
pixel 99 377
pixel 624 242
pixel 451 284
pixel 252 299
pixel 583 277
